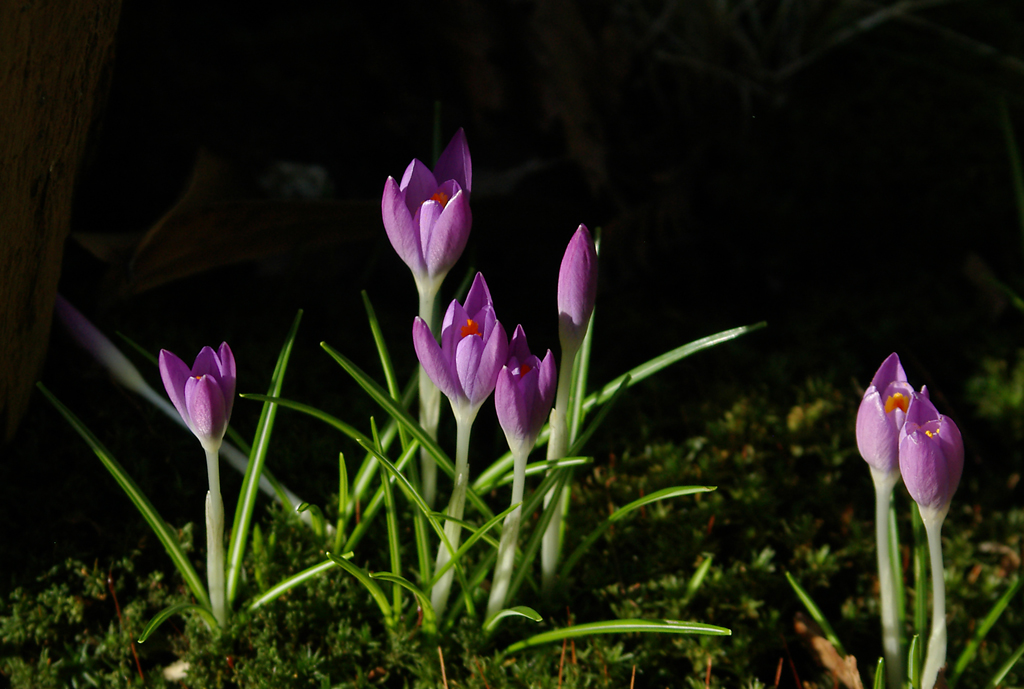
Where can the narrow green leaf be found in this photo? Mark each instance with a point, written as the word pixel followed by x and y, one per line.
pixel 896 563
pixel 475 535
pixel 376 502
pixel 698 577
pixel 544 467
pixel 317 517
pixel 251 483
pixel 339 529
pixel 385 361
pixel 141 502
pixel 337 423
pixel 1005 668
pixel 429 618
pixel 920 572
pixel 167 612
pixel 816 614
pixel 879 682
pixel 394 543
pixel 914 661
pixel 414 497
pixel 619 627
pixel 291 582
pixel 621 513
pixel 982 630
pixel 582 439
pixel 364 578
pixel 578 387
pixel 519 611
pixel 381 397
pixel 485 481
pixel 537 536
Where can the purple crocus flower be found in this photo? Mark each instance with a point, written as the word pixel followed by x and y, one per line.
pixel 473 349
pixel 577 289
pixel 524 393
pixel 881 415
pixel 204 394
pixel 427 215
pixel 931 455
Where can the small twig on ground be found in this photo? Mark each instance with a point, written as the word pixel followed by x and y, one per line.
pixel 120 621
pixel 444 677
pixel 778 673
pixel 633 678
pixel 707 677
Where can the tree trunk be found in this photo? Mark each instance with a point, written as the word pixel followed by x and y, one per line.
pixel 56 59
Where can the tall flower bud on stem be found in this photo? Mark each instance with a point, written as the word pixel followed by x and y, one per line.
pixel 522 398
pixel 204 396
pixel 931 460
pixel 577 291
pixel 465 368
pixel 879 420
pixel 427 219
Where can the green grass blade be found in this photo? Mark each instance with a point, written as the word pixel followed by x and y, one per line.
pixel 429 618
pixel 364 578
pixel 396 411
pixel 385 361
pixel 475 535
pixel 142 503
pixel 394 544
pixel 1005 668
pixel 519 611
pixel 698 578
pixel 375 504
pixel 316 518
pixel 578 388
pixel 896 562
pixel 415 498
pixel 982 629
pixel 619 627
pixel 577 446
pixel 816 614
pixel 920 573
pixel 291 582
pixel 621 513
pixel 544 467
pixel 169 611
pixel 337 423
pixel 339 529
pixel 537 536
pixel 879 682
pixel 914 661
pixel 251 483
pixel 485 481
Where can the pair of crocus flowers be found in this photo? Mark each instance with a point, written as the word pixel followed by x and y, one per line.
pixel 899 429
pixel 475 358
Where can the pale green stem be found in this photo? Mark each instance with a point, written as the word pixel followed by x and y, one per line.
pixel 463 425
pixel 936 657
pixel 558 445
pixel 215 537
pixel 884 483
pixel 430 405
pixel 509 533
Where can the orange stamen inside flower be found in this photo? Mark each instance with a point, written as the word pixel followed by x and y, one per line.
pixel 471 328
pixel 441 198
pixel 898 400
pixel 932 435
pixel 524 369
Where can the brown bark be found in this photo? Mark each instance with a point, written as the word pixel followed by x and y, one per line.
pixel 55 62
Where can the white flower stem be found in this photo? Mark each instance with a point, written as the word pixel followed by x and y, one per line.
pixel 215 538
pixel 936 657
pixel 509 533
pixel 439 594
pixel 884 483
pixel 430 406
pixel 558 445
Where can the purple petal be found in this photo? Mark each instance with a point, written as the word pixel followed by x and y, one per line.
pixel 921 411
pixel 205 403
pixel 174 372
pixel 511 408
pixel 228 377
pixel 468 353
pixel 418 183
pixel 448 237
pixel 518 347
pixel 207 363
pixel 398 223
pixel 433 360
pixel 490 362
pixel 953 448
pixel 877 435
pixel 577 287
pixel 546 384
pixel 479 296
pixel 455 162
pixel 455 318
pixel 891 370
pixel 924 471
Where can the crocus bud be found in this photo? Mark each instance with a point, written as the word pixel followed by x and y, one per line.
pixel 203 395
pixel 881 415
pixel 524 393
pixel 427 216
pixel 931 456
pixel 577 290
pixel 473 349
